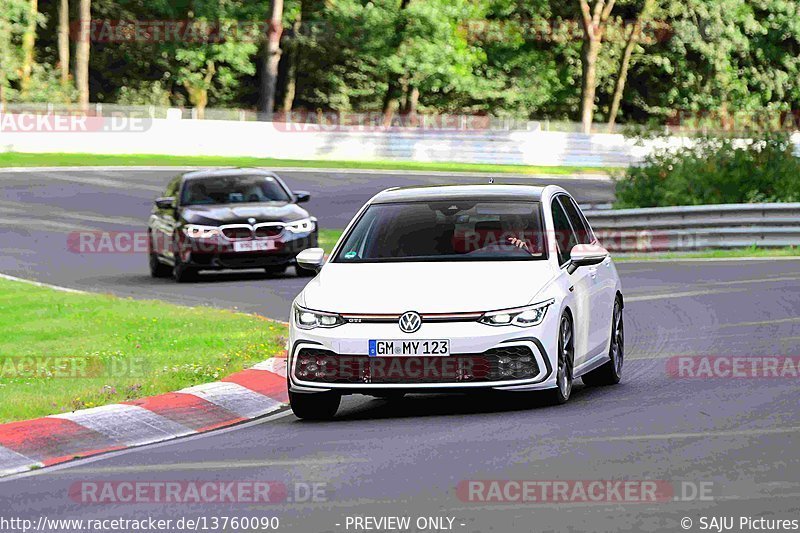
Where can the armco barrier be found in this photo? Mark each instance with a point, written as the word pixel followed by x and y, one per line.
pixel 698 227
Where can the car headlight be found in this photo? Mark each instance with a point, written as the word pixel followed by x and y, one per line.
pixel 195 231
pixel 305 225
pixel 308 319
pixel 523 317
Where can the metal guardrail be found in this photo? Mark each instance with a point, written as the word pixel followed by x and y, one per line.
pixel 685 228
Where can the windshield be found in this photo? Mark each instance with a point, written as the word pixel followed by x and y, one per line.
pixel 233 190
pixel 445 231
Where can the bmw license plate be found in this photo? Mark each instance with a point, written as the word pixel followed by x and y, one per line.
pixel 409 348
pixel 253 246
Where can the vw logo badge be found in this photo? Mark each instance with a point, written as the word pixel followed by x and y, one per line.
pixel 410 322
pixel 251 220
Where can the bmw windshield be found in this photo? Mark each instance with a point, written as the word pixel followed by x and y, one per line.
pixel 462 230
pixel 219 190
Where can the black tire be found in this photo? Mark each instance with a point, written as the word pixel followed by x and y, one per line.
pixel 566 359
pixel 182 273
pixel 316 406
pixel 611 372
pixel 157 268
pixel 275 270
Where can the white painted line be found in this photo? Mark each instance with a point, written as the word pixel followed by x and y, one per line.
pixel 276 365
pixel 38 284
pixel 235 398
pixel 130 425
pixel 13 463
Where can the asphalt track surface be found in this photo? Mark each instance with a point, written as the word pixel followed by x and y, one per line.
pixel 738 436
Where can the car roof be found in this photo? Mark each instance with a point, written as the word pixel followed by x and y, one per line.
pixel 425 193
pixel 224 172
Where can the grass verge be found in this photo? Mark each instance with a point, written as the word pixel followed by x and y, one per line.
pixel 742 253
pixel 16 159
pixel 61 352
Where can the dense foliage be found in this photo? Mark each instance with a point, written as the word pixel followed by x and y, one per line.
pixel 518 58
pixel 715 171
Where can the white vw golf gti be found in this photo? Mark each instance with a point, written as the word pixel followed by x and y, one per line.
pixel 456 288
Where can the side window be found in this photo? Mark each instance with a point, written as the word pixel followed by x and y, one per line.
pixel 582 231
pixel 565 237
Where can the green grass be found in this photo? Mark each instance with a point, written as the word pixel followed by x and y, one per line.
pixel 328 238
pixel 750 252
pixel 129 348
pixel 16 159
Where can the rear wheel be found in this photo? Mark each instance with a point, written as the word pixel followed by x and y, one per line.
pixel 611 372
pixel 566 358
pixel 317 406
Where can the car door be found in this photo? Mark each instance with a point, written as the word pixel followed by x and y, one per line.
pixel 163 221
pixel 601 296
pixel 580 282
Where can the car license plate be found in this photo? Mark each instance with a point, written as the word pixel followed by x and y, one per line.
pixel 409 348
pixel 253 246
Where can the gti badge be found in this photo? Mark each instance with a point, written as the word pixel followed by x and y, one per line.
pixel 410 322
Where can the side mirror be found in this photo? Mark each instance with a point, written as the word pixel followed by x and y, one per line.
pixel 302 197
pixel 584 255
pixel 311 259
pixel 167 202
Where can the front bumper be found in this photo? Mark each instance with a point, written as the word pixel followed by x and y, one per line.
pixel 219 254
pixel 469 341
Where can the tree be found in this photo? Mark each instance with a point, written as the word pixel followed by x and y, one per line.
pixel 82 50
pixel 28 47
pixel 13 23
pixel 272 57
pixel 594 19
pixel 217 65
pixel 63 41
pixel 630 44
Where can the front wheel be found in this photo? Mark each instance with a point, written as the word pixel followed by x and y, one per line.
pixel 566 359
pixel 317 406
pixel 611 372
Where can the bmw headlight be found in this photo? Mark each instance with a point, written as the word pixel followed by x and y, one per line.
pixel 306 225
pixel 308 319
pixel 523 317
pixel 195 231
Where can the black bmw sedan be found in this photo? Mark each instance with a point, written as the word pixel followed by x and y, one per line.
pixel 228 219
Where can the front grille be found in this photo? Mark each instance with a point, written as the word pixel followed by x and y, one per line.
pixel 266 232
pixel 498 364
pixel 238 233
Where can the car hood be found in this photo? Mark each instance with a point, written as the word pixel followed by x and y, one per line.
pixel 241 213
pixel 426 287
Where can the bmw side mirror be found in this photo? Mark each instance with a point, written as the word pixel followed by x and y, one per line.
pixel 167 202
pixel 311 259
pixel 584 255
pixel 302 197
